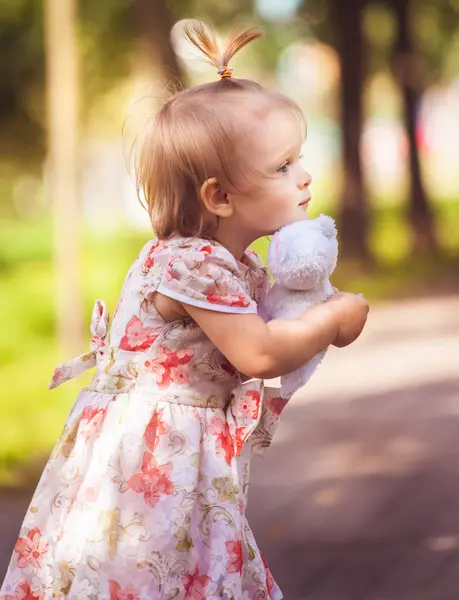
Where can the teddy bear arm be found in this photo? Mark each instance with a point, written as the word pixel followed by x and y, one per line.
pixel 295 380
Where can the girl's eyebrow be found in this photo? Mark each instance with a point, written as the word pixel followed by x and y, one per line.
pixel 282 157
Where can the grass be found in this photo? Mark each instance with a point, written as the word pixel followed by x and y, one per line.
pixel 31 417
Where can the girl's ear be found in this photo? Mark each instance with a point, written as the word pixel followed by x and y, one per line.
pixel 215 199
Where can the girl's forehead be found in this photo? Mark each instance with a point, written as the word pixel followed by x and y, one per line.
pixel 271 135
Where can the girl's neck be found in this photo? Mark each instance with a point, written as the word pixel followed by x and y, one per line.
pixel 232 243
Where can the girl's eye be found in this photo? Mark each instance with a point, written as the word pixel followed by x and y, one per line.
pixel 283 169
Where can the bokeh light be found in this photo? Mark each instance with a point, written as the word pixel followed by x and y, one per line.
pixel 277 10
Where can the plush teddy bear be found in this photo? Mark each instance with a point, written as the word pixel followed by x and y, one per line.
pixel 301 258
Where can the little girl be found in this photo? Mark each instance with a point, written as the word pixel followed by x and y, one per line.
pixel 144 495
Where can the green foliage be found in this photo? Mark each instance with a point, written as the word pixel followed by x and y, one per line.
pixel 21 76
pixel 106 36
pixel 31 416
pixel 380 30
pixel 434 25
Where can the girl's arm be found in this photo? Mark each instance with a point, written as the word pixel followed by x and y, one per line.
pixel 267 350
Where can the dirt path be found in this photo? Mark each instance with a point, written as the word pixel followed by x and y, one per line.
pixel 358 499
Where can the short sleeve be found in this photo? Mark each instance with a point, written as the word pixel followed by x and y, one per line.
pixel 206 275
pixel 258 276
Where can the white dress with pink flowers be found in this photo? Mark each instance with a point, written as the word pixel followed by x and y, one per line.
pixel 144 495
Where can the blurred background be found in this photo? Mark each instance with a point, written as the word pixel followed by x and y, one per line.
pixel 378 82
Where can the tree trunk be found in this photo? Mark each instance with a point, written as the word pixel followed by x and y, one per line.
pixel 408 76
pixel 62 92
pixel 353 210
pixel 154 21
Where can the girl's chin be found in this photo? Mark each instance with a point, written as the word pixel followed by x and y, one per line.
pixel 303 217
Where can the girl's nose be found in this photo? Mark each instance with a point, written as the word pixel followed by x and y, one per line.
pixel 305 180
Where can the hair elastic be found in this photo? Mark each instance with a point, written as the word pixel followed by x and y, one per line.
pixel 225 71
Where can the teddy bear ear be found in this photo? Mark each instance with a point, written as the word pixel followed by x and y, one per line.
pixel 327 224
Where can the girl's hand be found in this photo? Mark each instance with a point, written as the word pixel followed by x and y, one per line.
pixel 351 312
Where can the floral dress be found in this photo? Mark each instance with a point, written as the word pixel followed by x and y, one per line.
pixel 144 495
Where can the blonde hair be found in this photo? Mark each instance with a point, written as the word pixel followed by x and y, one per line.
pixel 194 137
